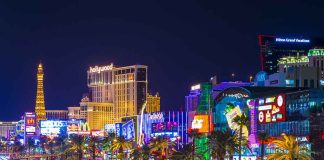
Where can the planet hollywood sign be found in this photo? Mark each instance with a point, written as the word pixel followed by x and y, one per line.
pixel 97 69
pixel 156 116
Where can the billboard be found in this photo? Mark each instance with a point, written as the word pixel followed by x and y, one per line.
pixel 164 127
pixel 110 128
pixel 52 127
pixel 272 109
pixel 30 124
pixel 201 122
pixel 128 130
pixel 98 133
pixel 232 112
pixel 118 129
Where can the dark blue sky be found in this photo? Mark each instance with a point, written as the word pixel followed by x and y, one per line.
pixel 182 42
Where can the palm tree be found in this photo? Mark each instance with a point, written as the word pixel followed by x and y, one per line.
pixel 136 154
pixel 162 147
pixel 107 142
pixel 77 144
pixel 17 148
pixel 194 133
pixel 93 146
pixel 262 137
pixel 220 142
pixel 145 152
pixel 186 153
pixel 288 148
pixel 30 144
pixel 120 144
pixel 241 121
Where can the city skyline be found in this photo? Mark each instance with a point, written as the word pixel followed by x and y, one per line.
pixel 180 48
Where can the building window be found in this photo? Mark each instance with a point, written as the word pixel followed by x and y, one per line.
pixel 312 83
pixel 305 83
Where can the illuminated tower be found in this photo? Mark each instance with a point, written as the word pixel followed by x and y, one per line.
pixel 40 103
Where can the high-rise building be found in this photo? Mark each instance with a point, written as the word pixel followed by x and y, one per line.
pixel 99 114
pixel 130 89
pixel 40 102
pixel 272 48
pixel 124 87
pixel 57 114
pixel 153 103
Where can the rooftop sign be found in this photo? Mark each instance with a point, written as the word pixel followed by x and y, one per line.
pixel 292 40
pixel 316 52
pixel 97 69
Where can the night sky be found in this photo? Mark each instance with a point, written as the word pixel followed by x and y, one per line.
pixel 182 42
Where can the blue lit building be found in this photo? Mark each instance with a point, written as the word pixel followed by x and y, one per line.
pixel 172 124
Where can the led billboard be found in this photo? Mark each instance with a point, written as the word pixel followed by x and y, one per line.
pixel 272 109
pixel 30 124
pixel 201 123
pixel 232 112
pixel 52 127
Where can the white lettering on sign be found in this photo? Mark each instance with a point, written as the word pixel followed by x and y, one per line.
pixel 97 69
pixel 265 107
pixel 155 116
pixel 238 95
pixel 197 124
pixel 292 40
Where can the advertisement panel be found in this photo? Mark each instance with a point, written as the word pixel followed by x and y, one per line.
pixel 128 130
pixel 201 123
pixel 30 124
pixel 110 128
pixel 52 127
pixel 232 112
pixel 272 109
pixel 97 133
pixel 164 127
pixel 118 129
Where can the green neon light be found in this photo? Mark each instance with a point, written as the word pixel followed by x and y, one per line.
pixel 292 60
pixel 316 52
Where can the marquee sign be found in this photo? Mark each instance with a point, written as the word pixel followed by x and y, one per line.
pixel 97 69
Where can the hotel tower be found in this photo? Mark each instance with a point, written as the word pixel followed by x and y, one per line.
pixel 115 92
pixel 40 103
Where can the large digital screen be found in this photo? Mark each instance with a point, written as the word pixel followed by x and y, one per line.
pixel 272 109
pixel 30 124
pixel 164 127
pixel 128 130
pixel 201 122
pixel 230 114
pixel 52 127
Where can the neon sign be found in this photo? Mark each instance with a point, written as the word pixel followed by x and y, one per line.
pixel 292 40
pixel 316 52
pixel 273 111
pixel 195 87
pixel 238 95
pixel 156 116
pixel 98 69
pixel 201 123
pixel 30 123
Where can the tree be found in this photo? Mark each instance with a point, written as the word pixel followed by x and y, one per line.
pixel 145 152
pixel 77 145
pixel 220 142
pixel 241 121
pixel 107 142
pixel 161 146
pixel 17 148
pixel 262 137
pixel 136 154
pixel 194 134
pixel 93 146
pixel 288 148
pixel 120 144
pixel 186 153
pixel 30 144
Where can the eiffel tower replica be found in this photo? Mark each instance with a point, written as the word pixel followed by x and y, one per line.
pixel 40 102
